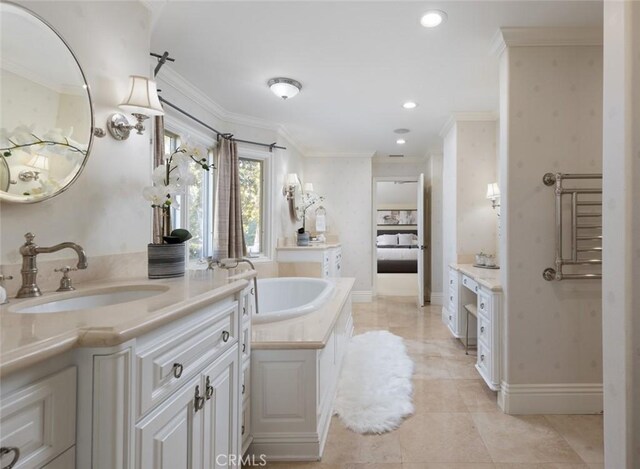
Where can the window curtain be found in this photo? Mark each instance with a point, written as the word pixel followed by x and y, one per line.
pixel 158 159
pixel 228 235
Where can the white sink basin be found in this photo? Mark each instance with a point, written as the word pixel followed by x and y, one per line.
pixel 90 299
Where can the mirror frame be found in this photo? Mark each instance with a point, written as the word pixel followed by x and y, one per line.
pixel 5 197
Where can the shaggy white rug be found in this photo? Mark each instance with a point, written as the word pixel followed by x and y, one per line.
pixel 374 392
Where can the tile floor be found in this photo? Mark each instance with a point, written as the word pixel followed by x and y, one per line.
pixel 457 424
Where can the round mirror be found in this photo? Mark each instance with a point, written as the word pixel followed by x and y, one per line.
pixel 46 117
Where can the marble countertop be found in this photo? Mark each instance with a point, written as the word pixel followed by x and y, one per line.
pixel 311 247
pixel 488 278
pixel 311 331
pixel 26 339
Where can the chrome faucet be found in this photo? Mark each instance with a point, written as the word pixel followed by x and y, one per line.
pixel 29 250
pixel 232 263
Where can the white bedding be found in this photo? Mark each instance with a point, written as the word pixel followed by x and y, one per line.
pixel 397 254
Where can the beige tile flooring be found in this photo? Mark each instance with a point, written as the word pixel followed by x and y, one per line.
pixel 457 424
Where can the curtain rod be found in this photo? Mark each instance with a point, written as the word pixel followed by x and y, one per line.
pixel 271 146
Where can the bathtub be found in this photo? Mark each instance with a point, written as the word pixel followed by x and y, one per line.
pixel 290 297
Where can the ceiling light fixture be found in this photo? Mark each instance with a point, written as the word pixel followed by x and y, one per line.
pixel 410 105
pixel 433 18
pixel 401 141
pixel 284 88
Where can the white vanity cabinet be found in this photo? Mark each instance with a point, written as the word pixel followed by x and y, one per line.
pixel 248 303
pixel 39 419
pixel 471 285
pixel 324 261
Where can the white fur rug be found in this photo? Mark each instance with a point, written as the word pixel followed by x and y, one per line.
pixel 374 392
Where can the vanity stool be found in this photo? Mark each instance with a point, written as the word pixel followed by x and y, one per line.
pixel 472 310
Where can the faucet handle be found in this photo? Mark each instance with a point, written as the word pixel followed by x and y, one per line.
pixel 65 281
pixel 29 237
pixel 5 277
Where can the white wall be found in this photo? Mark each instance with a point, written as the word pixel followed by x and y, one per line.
pixel 437 249
pixel 391 196
pixel 104 210
pixel 449 201
pixel 346 184
pixel 551 104
pixel 621 270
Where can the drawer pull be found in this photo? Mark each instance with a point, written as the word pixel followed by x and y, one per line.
pixel 243 429
pixel 451 298
pixel 482 329
pixel 482 357
pixel 244 348
pixel 464 281
pixel 16 455
pixel 198 400
pixel 208 389
pixel 252 290
pixel 450 282
pixel 450 318
pixel 481 305
pixel 476 289
pixel 177 370
pixel 244 310
pixel 225 336
pixel 243 389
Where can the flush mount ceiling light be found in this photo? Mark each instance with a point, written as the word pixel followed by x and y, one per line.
pixel 433 18
pixel 401 141
pixel 410 105
pixel 284 88
pixel 401 131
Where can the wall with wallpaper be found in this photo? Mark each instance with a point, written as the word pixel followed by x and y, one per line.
pixel 346 184
pixel 104 210
pixel 551 104
pixel 469 222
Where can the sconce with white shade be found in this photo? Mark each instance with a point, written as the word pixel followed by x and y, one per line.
pixel 292 181
pixel 142 102
pixel 493 194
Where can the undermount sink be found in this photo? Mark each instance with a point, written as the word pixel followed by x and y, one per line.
pixel 90 299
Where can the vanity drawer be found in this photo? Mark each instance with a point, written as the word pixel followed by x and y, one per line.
pixel 470 283
pixel 245 342
pixel 484 359
pixel 484 303
pixel 171 359
pixel 248 304
pixel 245 424
pixel 484 330
pixel 40 419
pixel 245 386
pixel 453 279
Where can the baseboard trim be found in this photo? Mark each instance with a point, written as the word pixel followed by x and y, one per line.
pixel 436 298
pixel 362 296
pixel 569 398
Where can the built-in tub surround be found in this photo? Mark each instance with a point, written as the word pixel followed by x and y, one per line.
pixel 295 369
pixel 290 297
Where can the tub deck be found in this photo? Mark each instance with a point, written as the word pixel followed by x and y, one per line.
pixel 311 331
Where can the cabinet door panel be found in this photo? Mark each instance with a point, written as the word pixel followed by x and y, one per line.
pixel 171 436
pixel 221 413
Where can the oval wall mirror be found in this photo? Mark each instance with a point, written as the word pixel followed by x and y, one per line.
pixel 46 116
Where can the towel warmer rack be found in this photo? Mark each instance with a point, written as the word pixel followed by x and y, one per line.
pixel 585 221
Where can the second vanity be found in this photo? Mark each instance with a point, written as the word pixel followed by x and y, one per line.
pixel 154 382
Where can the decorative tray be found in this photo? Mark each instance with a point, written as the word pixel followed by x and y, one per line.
pixel 493 267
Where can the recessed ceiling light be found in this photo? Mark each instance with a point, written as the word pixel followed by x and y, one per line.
pixel 409 105
pixel 433 18
pixel 400 141
pixel 284 88
pixel 401 131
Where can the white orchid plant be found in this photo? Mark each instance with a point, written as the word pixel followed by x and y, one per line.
pixel 172 177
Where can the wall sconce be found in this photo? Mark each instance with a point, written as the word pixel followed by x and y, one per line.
pixel 142 101
pixel 290 185
pixel 493 194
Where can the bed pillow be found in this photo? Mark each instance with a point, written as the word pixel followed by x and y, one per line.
pixel 388 240
pixel 406 238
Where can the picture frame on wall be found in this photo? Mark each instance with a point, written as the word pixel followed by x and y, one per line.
pixel 397 217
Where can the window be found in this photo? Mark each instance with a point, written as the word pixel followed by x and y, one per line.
pixel 252 201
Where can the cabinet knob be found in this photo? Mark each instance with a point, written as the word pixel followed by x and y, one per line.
pixel 243 429
pixel 243 388
pixel 252 290
pixel 244 310
pixel 482 329
pixel 198 400
pixel 225 336
pixel 177 370
pixel 481 305
pixel 244 348
pixel 16 455
pixel 450 282
pixel 451 298
pixel 476 288
pixel 449 317
pixel 208 389
pixel 482 357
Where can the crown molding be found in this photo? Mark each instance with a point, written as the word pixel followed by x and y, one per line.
pixel 339 155
pixel 480 116
pixel 284 133
pixel 541 37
